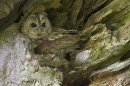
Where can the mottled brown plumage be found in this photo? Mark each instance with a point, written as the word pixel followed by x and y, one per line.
pixel 55 46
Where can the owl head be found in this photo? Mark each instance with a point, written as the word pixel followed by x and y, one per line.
pixel 36 26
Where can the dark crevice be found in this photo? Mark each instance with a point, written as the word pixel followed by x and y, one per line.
pixel 72 4
pixel 19 18
pixel 13 16
pixel 125 56
pixel 20 11
pixel 110 27
pixel 79 16
pixel 8 20
pixel 107 19
pixel 82 82
pixel 22 5
pixel 69 54
pixel 67 57
pixel 96 10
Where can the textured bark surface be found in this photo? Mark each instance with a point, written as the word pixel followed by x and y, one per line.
pixel 15 69
pixel 102 55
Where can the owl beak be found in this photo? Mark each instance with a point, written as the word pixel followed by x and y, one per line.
pixel 39 32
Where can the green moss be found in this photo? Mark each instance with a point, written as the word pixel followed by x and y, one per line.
pixel 60 20
pixel 9 33
pixel 4 39
pixel 116 25
pixel 127 18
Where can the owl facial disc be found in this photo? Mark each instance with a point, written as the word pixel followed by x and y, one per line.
pixel 36 26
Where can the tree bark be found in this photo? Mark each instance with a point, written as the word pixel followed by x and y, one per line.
pixel 103 49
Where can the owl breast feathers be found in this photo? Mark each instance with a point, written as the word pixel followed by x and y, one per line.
pixel 36 26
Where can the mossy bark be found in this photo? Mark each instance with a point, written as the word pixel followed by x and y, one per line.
pixel 106 29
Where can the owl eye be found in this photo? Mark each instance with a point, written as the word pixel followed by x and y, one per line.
pixel 43 24
pixel 33 25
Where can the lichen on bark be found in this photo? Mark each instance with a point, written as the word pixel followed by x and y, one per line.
pixel 100 52
pixel 15 70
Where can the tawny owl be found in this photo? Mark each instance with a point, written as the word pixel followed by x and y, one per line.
pixel 36 26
